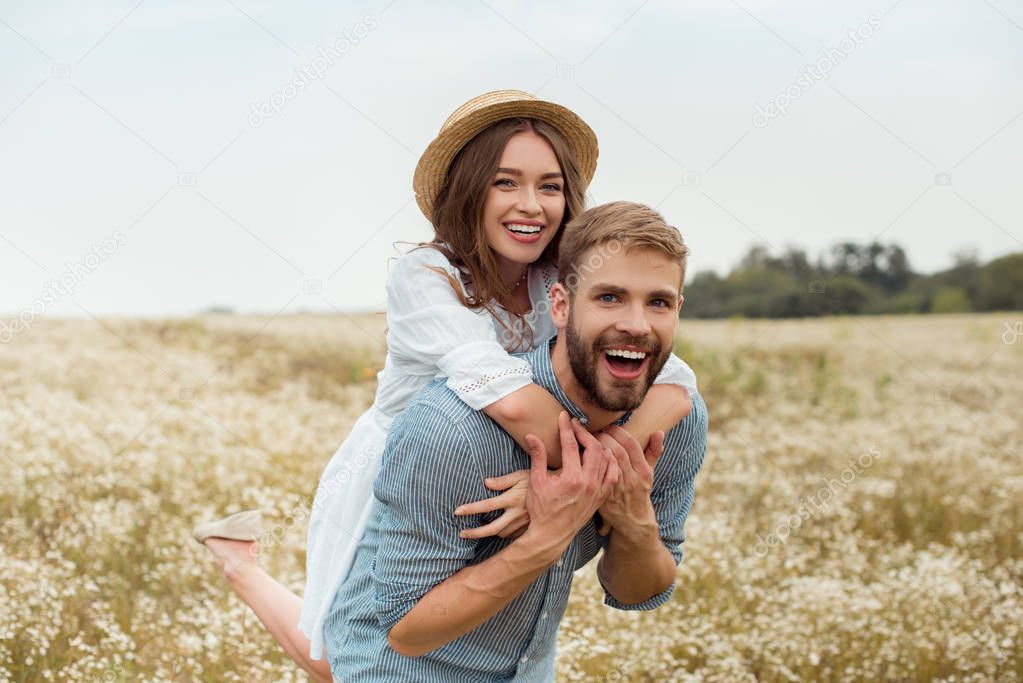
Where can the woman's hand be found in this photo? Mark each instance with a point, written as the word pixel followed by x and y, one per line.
pixel 513 501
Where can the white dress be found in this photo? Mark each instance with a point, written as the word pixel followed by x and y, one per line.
pixel 430 334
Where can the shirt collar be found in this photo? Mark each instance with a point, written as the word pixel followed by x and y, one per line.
pixel 543 374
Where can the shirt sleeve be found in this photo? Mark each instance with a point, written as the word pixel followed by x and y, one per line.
pixel 429 325
pixel 672 492
pixel 677 371
pixel 425 475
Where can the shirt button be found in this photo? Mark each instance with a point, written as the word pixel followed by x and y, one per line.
pixel 561 562
pixel 543 616
pixel 524 660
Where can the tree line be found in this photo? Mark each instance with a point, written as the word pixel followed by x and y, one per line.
pixel 852 278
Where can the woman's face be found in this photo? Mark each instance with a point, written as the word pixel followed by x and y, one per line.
pixel 525 202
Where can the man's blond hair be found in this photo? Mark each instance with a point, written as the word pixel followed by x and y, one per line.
pixel 612 228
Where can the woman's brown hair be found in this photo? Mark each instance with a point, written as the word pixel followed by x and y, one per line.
pixel 458 228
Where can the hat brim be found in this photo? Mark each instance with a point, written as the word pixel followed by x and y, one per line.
pixel 432 168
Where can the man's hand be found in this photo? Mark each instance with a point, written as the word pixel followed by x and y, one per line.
pixel 560 503
pixel 628 509
pixel 636 565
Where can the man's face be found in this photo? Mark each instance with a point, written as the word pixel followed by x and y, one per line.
pixel 619 327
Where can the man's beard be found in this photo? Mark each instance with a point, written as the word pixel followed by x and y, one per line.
pixel 620 395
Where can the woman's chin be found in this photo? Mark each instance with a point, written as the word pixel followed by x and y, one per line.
pixel 520 252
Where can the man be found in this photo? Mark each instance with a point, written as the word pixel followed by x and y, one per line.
pixel 423 604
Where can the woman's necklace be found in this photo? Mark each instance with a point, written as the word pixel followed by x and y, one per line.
pixel 525 272
pixel 516 299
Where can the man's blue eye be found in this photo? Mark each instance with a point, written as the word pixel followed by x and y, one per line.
pixel 607 298
pixel 659 302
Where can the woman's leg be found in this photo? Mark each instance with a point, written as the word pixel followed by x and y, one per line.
pixel 276 606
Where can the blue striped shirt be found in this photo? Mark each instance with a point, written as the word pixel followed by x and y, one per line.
pixel 437 455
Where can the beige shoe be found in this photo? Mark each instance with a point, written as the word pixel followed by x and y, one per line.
pixel 241 526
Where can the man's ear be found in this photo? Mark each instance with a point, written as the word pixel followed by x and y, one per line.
pixel 559 305
pixel 681 300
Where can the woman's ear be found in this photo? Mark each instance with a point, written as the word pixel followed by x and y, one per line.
pixel 559 305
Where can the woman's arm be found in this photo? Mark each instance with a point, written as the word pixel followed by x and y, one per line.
pixel 664 406
pixel 427 322
pixel 530 410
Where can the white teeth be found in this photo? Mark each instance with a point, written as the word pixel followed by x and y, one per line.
pixel 524 229
pixel 622 353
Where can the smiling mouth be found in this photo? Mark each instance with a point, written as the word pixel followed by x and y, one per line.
pixel 524 233
pixel 520 229
pixel 625 363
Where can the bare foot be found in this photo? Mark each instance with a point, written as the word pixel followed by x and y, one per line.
pixel 233 557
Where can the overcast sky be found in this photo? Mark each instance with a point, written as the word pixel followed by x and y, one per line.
pixel 132 122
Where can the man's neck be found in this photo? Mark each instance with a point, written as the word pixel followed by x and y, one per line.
pixel 598 417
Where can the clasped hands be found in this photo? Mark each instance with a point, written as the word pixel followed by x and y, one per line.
pixel 608 472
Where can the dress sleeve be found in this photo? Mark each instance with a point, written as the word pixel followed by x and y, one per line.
pixel 677 371
pixel 427 324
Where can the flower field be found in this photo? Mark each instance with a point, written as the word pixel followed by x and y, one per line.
pixel 858 516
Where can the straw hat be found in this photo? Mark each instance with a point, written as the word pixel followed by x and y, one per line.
pixel 479 113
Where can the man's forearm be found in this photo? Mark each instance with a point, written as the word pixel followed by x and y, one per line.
pixel 636 565
pixel 468 598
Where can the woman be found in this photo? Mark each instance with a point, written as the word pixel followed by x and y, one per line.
pixel 505 174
